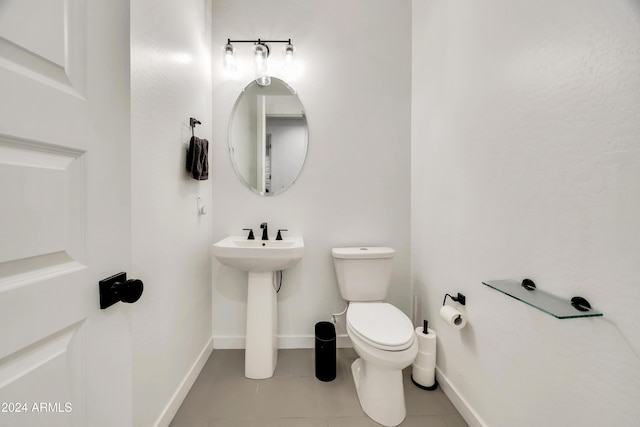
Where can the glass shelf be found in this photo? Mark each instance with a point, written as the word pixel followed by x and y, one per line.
pixel 543 301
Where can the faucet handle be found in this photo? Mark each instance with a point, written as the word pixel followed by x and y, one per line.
pixel 279 236
pixel 251 236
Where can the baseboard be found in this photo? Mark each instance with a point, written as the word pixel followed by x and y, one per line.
pixel 284 341
pixel 178 397
pixel 462 405
pixel 228 342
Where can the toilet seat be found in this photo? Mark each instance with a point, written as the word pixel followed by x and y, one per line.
pixel 381 325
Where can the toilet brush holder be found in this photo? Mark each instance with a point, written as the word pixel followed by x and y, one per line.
pixel 423 373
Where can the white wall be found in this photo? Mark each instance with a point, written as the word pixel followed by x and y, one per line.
pixel 170 81
pixel 526 163
pixel 354 188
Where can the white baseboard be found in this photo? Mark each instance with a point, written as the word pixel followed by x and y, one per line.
pixel 284 341
pixel 462 405
pixel 178 397
pixel 228 342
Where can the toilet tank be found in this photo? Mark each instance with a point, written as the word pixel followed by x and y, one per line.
pixel 364 273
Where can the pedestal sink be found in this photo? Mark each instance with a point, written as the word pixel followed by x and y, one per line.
pixel 261 259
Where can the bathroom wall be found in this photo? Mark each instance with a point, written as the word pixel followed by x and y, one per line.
pixel 354 81
pixel 170 81
pixel 526 163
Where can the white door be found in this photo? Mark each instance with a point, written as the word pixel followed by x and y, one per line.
pixel 64 212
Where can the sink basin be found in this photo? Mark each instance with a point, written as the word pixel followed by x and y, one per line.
pixel 260 256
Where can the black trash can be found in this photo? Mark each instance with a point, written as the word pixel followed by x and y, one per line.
pixel 325 351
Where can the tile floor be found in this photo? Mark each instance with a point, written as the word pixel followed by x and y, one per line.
pixel 293 397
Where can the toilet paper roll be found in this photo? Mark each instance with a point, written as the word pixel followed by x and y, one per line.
pixel 425 377
pixel 426 342
pixel 453 317
pixel 425 360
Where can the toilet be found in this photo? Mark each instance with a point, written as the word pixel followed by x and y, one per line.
pixel 382 335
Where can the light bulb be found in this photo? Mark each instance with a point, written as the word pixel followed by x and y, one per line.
pixel 261 52
pixel 288 56
pixel 228 58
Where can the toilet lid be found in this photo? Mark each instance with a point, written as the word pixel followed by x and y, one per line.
pixel 381 325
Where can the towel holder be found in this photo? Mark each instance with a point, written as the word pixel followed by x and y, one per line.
pixel 193 122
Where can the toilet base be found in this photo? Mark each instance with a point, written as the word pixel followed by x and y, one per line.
pixel 380 392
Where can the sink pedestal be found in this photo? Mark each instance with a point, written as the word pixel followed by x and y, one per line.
pixel 261 259
pixel 261 349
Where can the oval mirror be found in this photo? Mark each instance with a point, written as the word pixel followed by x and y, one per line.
pixel 268 137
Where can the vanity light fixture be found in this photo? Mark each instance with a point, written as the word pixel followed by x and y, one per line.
pixel 261 53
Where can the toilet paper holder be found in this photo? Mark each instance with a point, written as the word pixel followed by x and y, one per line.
pixel 460 298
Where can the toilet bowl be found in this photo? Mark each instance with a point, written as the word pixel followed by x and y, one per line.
pixel 383 337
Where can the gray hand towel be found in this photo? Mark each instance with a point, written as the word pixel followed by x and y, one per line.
pixel 198 158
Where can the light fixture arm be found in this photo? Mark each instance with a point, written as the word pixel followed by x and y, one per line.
pixel 229 41
pixel 260 42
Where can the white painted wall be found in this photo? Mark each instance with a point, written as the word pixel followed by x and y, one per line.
pixel 170 81
pixel 526 163
pixel 354 188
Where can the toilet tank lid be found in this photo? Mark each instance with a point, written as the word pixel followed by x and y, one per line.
pixel 360 252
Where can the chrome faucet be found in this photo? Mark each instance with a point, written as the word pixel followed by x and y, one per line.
pixel 265 235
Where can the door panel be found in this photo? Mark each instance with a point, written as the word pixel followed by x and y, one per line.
pixel 44 191
pixel 45 41
pixel 50 368
pixel 64 212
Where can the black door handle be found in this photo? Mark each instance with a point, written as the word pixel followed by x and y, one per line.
pixel 118 288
